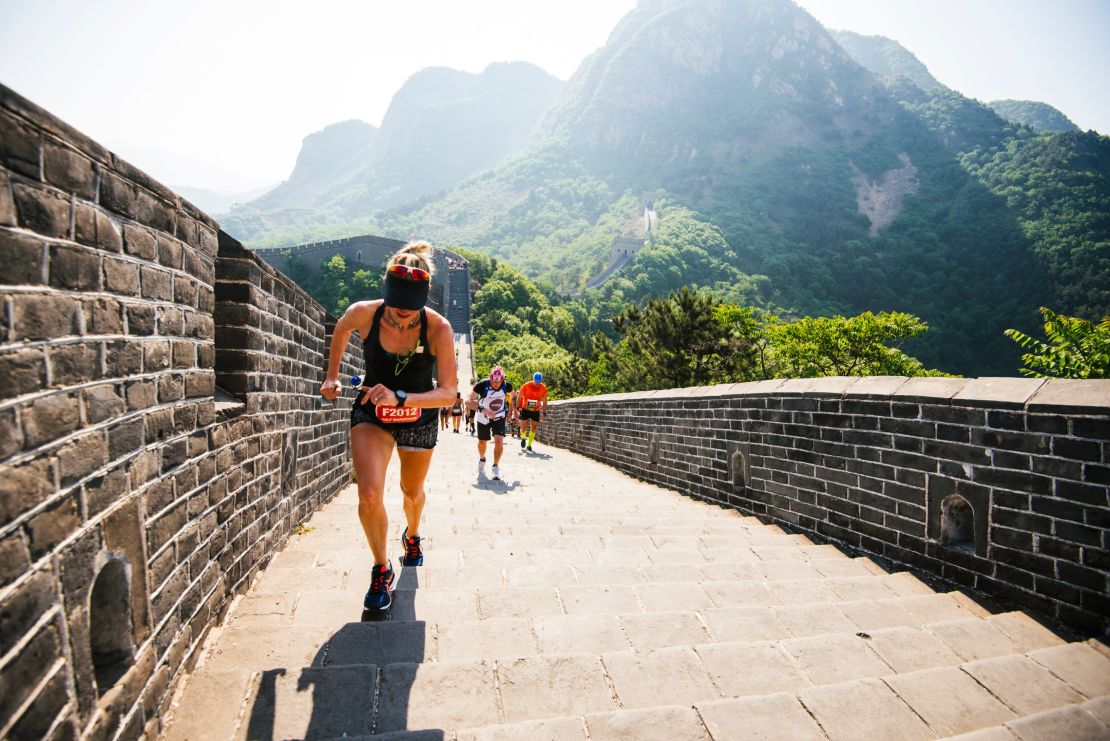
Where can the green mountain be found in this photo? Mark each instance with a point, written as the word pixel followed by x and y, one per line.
pixel 887 59
pixel 1037 116
pixel 786 175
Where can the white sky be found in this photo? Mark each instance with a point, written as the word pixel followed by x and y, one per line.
pixel 220 93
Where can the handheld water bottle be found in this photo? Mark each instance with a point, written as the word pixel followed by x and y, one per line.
pixel 356 381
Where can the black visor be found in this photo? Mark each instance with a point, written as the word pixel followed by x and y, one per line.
pixel 402 293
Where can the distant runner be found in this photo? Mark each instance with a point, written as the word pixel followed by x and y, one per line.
pixel 532 402
pixel 456 412
pixel 490 400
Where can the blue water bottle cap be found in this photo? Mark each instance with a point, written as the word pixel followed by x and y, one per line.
pixel 356 381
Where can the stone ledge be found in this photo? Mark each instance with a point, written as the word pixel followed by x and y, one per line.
pixel 1036 395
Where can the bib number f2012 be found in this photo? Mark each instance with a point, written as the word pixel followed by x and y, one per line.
pixel 395 415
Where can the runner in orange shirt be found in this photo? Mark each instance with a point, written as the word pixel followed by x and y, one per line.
pixel 532 402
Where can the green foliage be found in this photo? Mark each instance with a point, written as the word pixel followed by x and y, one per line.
pixel 845 346
pixel 685 339
pixel 1076 348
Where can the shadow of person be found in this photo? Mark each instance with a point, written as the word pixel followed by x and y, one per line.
pixel 536 454
pixel 358 684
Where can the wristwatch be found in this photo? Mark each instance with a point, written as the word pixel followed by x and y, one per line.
pixel 401 397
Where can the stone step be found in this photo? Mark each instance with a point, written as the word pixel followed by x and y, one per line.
pixel 945 624
pixel 804 688
pixel 350 570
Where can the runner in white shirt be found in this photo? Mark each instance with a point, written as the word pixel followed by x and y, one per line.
pixel 490 399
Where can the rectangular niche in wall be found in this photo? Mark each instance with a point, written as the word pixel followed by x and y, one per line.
pixel 958 513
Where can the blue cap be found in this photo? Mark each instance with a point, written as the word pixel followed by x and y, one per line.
pixel 538 377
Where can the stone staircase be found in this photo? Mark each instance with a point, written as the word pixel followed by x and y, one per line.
pixel 572 602
pixel 457 309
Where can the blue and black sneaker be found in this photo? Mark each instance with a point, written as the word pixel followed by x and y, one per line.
pixel 414 555
pixel 378 599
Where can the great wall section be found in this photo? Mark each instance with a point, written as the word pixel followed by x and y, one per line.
pixel 164 452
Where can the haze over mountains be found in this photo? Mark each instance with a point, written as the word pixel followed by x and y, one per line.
pixel 792 169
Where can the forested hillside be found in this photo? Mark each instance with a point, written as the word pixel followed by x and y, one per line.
pixel 789 178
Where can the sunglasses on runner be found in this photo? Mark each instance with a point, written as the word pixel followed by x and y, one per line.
pixel 404 271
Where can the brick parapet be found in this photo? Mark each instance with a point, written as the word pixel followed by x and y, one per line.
pixel 867 462
pixel 112 443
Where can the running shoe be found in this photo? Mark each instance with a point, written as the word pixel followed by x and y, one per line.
pixel 523 442
pixel 378 598
pixel 529 448
pixel 496 472
pixel 414 555
pixel 481 465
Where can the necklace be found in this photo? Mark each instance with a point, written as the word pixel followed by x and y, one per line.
pixel 389 318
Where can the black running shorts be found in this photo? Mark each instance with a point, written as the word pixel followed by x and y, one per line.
pixel 495 428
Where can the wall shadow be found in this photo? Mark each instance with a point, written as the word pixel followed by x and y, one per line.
pixel 358 684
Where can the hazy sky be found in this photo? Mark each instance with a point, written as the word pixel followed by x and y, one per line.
pixel 220 93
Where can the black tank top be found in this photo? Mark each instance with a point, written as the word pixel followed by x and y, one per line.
pixel 393 372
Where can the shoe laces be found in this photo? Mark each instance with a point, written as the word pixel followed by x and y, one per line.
pixel 377 579
pixel 412 547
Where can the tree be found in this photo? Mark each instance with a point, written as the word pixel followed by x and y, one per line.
pixel 686 339
pixel 1078 349
pixel 845 346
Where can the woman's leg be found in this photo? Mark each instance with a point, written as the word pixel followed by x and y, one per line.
pixel 371 448
pixel 414 469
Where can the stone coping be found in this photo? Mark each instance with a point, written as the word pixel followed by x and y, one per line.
pixel 1079 396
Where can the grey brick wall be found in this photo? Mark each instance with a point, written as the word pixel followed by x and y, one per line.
pixel 121 306
pixel 868 462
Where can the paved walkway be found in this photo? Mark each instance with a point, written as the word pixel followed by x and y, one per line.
pixel 572 602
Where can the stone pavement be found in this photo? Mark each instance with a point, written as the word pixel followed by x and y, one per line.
pixel 573 602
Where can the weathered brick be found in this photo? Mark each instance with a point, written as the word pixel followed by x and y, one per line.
pixel 141 318
pixel 102 402
pixel 159 424
pixel 15 557
pixel 81 456
pixel 24 673
pixel 199 385
pixel 156 355
pixel 117 195
pixel 24 487
pixel 1097 428
pixel 165 527
pixel 154 212
pixel 11 434
pixel 1079 533
pixel 170 252
pixel 121 277
pixel 74 363
pixel 43 317
pixel 38 718
pixel 50 418
pixel 122 358
pixel 156 284
pixel 20 146
pixel 103 316
pixel 22 371
pixel 141 394
pixel 139 242
pixel 7 205
pixel 53 525
pixel 184 355
pixel 104 491
pixel 21 609
pixel 125 437
pixel 144 468
pixel 23 257
pixel 68 170
pixel 41 210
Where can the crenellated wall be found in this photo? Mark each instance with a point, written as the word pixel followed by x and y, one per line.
pixel 998 484
pixel 136 497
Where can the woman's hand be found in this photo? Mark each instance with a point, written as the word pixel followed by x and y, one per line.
pixel 331 388
pixel 379 395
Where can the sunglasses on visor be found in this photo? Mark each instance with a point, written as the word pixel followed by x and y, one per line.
pixel 404 271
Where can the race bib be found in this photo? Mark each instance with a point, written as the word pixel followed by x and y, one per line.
pixel 394 415
pixel 533 403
